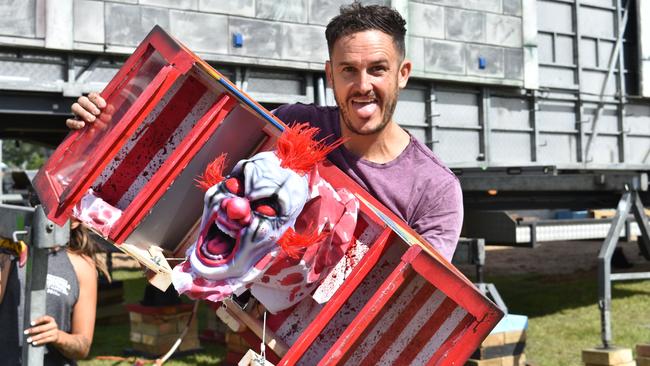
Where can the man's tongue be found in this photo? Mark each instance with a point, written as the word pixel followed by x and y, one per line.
pixel 364 109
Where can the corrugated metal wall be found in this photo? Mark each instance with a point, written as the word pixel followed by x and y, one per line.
pixel 534 102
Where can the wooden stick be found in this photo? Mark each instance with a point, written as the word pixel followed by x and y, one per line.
pixel 255 325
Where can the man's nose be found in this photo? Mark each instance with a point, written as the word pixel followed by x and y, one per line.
pixel 237 209
pixel 364 83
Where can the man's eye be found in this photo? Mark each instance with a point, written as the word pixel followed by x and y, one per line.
pixel 234 186
pixel 266 210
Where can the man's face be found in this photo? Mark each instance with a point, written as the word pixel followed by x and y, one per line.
pixel 366 72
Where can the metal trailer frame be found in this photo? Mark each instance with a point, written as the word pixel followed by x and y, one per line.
pixel 630 201
pixel 531 233
pixel 32 224
pixel 472 251
pixel 628 187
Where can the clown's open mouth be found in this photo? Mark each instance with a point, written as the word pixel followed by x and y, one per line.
pixel 216 247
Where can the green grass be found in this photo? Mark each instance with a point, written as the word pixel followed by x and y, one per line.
pixel 112 340
pixel 562 311
pixel 564 318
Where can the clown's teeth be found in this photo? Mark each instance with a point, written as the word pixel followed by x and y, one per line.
pixel 225 230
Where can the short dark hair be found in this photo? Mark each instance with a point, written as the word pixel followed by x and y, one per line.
pixel 355 18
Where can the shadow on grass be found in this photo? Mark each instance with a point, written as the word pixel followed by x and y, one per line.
pixel 539 295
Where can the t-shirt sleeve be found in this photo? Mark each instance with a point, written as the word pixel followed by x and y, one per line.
pixel 442 222
pixel 291 113
pixel 281 112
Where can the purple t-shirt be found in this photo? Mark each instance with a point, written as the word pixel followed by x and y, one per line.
pixel 416 185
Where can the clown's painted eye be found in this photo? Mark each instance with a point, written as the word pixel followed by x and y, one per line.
pixel 234 186
pixel 267 207
pixel 266 210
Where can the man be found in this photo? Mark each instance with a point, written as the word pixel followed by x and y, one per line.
pixel 366 70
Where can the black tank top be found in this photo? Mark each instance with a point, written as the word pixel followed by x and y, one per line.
pixel 62 295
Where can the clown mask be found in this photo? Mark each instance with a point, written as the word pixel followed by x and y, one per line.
pixel 249 216
pixel 245 215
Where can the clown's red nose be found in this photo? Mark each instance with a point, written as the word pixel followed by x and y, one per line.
pixel 237 209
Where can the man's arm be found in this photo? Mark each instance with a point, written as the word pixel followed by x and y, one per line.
pixel 441 224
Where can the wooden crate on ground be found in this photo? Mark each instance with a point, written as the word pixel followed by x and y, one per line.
pixel 110 304
pixel 643 354
pixel 609 213
pixel 608 357
pixel 154 329
pixel 214 329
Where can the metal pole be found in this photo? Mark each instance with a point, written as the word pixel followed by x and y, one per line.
pixel 320 91
pixel 533 117
pixel 43 235
pixel 35 294
pixel 484 120
pixel 309 87
pixel 579 108
pixel 642 221
pixel 605 268
pixel 430 110
pixel 613 58
pixel 622 90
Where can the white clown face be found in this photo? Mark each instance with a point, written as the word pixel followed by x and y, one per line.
pixel 244 216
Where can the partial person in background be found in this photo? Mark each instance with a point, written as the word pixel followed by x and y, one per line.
pixel 68 326
pixel 366 70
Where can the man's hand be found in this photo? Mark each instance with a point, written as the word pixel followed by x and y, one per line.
pixel 44 330
pixel 88 110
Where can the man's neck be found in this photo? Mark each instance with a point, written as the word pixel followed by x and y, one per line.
pixel 381 147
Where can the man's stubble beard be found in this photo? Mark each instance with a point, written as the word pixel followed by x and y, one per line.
pixel 387 116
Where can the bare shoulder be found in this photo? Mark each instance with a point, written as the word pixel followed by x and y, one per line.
pixel 83 265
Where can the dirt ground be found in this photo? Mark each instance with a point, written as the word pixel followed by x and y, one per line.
pixel 552 258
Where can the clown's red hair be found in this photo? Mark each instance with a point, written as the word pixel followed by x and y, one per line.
pixel 298 150
pixel 213 173
pixel 292 243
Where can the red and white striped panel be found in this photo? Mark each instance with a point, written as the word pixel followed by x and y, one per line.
pixel 412 329
pixel 136 163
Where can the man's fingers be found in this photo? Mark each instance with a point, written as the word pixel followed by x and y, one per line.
pixel 89 105
pixel 74 124
pixel 110 109
pixel 82 113
pixel 96 99
pixel 86 109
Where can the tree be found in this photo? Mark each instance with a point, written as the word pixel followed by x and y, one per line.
pixel 23 155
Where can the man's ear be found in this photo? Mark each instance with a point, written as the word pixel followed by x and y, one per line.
pixel 404 73
pixel 328 73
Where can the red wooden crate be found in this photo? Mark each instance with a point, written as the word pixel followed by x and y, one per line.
pixel 393 300
pixel 172 114
pixel 398 303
